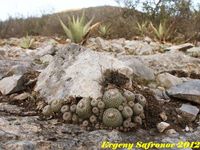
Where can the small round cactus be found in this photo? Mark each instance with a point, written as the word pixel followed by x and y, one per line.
pixel 127 112
pixel 141 99
pixel 112 118
pixel 84 108
pixel 131 104
pixel 95 110
pixel 137 109
pixel 97 126
pixel 56 105
pixel 142 115
pixel 64 108
pixel 94 102
pixel 67 116
pixel 47 110
pixel 126 124
pixel 129 95
pixel 85 123
pixel 75 118
pixel 73 108
pixel 93 119
pixel 120 108
pixel 137 120
pixel 113 98
pixel 132 125
pixel 101 105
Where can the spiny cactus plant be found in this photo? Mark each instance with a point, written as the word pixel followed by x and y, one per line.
pixel 137 109
pixel 131 104
pixel 113 98
pixel 65 108
pixel 27 42
pixel 94 102
pixel 77 28
pixel 129 95
pixel 112 118
pixel 121 107
pixel 67 116
pixel 101 105
pixel 73 108
pixel 93 119
pixel 84 108
pixel 138 120
pixel 95 110
pixel 127 112
pixel 85 123
pixel 75 118
pixel 47 110
pixel 117 108
pixel 126 123
pixel 141 99
pixel 56 105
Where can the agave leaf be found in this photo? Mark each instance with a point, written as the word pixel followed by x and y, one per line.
pixel 86 27
pixel 31 42
pixel 82 19
pixel 154 30
pixel 66 29
pixel 161 31
pixel 139 27
pixel 142 28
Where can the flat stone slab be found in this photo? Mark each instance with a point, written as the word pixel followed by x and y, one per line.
pixel 189 112
pixel 182 47
pixel 189 90
pixel 11 84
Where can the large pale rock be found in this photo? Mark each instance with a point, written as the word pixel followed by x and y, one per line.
pixel 123 46
pixel 102 44
pixel 77 72
pixel 138 67
pixel 139 48
pixel 167 80
pixel 11 84
pixel 168 61
pixel 189 90
pixel 194 52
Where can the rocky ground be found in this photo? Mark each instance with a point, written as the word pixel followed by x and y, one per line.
pixel 167 75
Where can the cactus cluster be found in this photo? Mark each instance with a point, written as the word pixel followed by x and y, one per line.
pixel 119 109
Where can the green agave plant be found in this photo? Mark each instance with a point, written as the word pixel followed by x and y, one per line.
pixel 142 27
pixel 77 28
pixel 162 32
pixel 27 42
pixel 104 30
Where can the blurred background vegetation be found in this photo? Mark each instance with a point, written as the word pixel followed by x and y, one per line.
pixel 165 20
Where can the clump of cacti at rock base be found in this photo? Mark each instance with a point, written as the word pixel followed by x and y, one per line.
pixel 118 109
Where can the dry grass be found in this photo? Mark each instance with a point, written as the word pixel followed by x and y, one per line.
pixel 49 25
pixel 122 21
